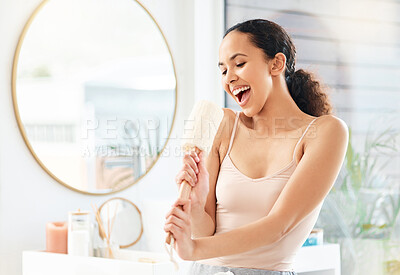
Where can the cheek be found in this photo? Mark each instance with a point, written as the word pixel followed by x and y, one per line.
pixel 262 88
pixel 264 80
pixel 224 86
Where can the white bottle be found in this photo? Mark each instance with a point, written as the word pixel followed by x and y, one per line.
pixel 79 234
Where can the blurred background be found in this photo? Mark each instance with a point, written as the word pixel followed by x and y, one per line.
pixel 353 48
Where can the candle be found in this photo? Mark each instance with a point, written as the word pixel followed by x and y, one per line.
pixel 57 237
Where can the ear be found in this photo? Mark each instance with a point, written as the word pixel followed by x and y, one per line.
pixel 278 64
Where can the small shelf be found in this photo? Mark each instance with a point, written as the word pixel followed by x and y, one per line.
pixel 318 260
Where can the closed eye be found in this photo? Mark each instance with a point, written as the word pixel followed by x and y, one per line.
pixel 239 65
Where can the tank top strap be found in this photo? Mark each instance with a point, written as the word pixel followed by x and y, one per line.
pixel 298 142
pixel 233 133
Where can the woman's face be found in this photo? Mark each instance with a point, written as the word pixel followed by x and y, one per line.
pixel 245 72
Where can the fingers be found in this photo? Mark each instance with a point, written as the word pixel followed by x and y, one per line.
pixel 193 154
pixel 178 218
pixel 189 170
pixel 185 203
pixel 191 158
pixel 202 163
pixel 181 209
pixel 177 211
pixel 179 214
pixel 176 231
pixel 187 207
pixel 176 221
pixel 186 176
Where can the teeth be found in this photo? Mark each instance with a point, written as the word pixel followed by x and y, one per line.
pixel 237 91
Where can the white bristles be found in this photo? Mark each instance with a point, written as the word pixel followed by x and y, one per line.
pixel 201 126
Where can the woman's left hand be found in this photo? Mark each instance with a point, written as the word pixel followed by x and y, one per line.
pixel 178 223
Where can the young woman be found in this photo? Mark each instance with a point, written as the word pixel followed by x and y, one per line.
pixel 257 196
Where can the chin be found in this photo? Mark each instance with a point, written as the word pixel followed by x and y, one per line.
pixel 251 111
pixel 248 112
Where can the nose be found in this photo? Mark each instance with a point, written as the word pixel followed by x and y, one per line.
pixel 230 77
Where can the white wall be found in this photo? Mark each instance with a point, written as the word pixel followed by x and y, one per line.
pixel 29 197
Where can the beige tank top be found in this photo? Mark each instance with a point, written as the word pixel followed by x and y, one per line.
pixel 242 200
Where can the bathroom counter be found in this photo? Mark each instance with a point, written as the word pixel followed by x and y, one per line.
pixel 311 260
pixel 45 263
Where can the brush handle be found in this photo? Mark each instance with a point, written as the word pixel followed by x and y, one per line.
pixel 184 193
pixel 184 190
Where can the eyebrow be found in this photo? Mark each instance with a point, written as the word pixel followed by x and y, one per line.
pixel 231 58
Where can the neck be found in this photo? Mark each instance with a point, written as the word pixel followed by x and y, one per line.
pixel 279 114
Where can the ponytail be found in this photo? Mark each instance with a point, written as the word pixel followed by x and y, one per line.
pixel 307 93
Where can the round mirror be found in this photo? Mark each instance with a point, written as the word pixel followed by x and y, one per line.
pixel 124 220
pixel 94 92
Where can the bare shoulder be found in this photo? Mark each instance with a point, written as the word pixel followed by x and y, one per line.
pixel 224 132
pixel 226 126
pixel 329 129
pixel 331 124
pixel 229 114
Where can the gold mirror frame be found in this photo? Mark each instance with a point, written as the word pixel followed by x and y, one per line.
pixel 20 124
pixel 140 215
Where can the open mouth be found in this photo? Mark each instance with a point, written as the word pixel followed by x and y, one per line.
pixel 242 94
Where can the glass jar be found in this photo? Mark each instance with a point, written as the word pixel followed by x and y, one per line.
pixel 79 233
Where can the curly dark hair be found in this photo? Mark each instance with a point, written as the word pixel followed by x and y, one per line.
pixel 305 90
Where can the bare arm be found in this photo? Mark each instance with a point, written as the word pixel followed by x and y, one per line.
pixel 305 190
pixel 203 215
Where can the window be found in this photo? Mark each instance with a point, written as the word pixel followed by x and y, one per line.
pixel 354 48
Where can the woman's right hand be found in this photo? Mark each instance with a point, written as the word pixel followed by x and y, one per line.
pixel 194 171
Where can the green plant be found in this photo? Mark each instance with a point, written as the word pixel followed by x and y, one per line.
pixel 364 198
pixel 363 207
